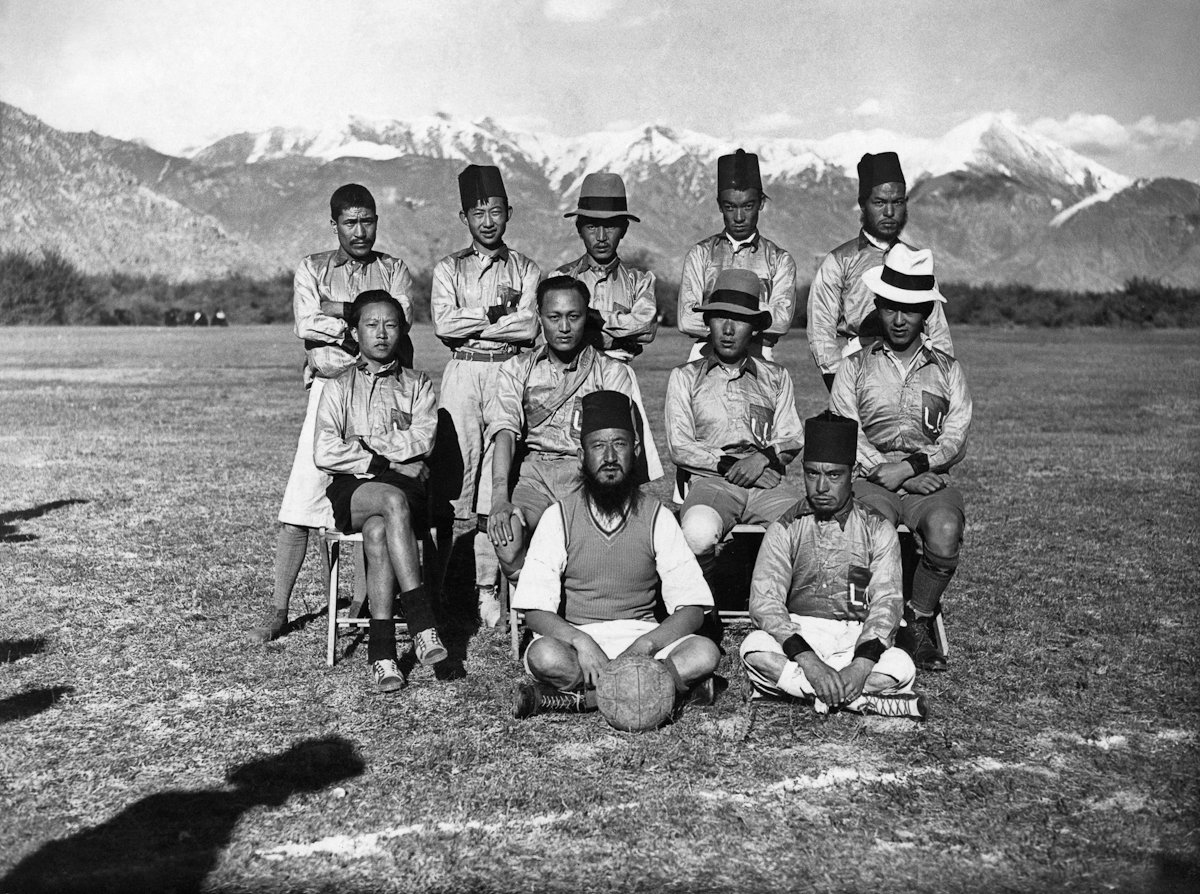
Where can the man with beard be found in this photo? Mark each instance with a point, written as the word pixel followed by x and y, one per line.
pixel 536 405
pixel 838 300
pixel 738 247
pixel 913 407
pixel 732 425
pixel 483 311
pixel 595 568
pixel 325 286
pixel 826 593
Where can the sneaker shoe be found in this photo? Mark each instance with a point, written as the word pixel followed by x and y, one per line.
pixel 489 605
pixel 386 674
pixel 271 627
pixel 531 698
pixel 918 641
pixel 913 706
pixel 429 647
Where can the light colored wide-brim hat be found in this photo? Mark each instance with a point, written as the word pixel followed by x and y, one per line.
pixel 905 277
pixel 736 294
pixel 602 197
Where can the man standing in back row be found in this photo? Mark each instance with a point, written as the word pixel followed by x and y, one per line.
pixel 325 287
pixel 483 311
pixel 740 197
pixel 838 301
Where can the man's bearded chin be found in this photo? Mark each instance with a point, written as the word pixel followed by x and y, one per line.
pixel 866 225
pixel 610 498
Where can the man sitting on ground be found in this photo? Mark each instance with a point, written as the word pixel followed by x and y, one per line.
pixel 732 425
pixel 826 594
pixel 593 574
pixel 912 403
pixel 536 404
pixel 375 428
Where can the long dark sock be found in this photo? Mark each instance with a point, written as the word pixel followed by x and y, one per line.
pixel 930 579
pixel 290 547
pixel 381 641
pixel 417 610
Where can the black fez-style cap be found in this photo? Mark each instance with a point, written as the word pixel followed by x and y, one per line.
pixel 876 169
pixel 606 409
pixel 478 183
pixel 738 171
pixel 829 438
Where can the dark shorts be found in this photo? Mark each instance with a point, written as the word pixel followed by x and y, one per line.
pixel 908 509
pixel 343 487
pixel 542 483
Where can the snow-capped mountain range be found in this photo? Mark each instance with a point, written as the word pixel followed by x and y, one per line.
pixel 996 201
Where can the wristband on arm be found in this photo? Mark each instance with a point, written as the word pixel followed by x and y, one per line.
pixel 795 646
pixel 919 462
pixel 872 650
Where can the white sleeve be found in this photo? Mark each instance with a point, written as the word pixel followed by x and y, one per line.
pixel 540 586
pixel 682 581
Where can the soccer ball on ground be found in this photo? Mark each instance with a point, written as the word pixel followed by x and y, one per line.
pixel 635 693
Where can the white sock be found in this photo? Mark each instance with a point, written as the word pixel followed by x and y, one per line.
pixel 793 682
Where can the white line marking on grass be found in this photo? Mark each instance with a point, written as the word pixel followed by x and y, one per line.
pixel 368 844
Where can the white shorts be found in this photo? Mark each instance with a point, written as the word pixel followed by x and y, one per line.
pixel 834 643
pixel 614 637
pixel 304 500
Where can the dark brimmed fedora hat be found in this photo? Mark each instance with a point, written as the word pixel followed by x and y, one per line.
pixel 602 197
pixel 735 294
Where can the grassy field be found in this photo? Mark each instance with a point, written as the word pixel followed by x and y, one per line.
pixel 142 740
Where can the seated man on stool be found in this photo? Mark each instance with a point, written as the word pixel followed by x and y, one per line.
pixel 732 423
pixel 593 574
pixel 826 595
pixel 376 424
pixel 914 410
pixel 535 406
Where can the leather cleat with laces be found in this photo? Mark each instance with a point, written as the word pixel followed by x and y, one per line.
pixel 531 698
pixel 386 674
pixel 429 648
pixel 912 706
pixel 917 639
pixel 489 605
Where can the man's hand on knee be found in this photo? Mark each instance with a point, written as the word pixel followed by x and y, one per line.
pixel 592 659
pixel 854 677
pixel 641 646
pixel 503 522
pixel 924 484
pixel 891 475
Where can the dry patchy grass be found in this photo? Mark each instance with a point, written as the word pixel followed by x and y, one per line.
pixel 141 472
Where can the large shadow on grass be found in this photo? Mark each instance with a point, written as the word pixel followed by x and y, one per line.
pixel 170 841
pixel 33 701
pixel 8 530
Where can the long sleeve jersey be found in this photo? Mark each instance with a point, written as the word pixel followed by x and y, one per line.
pixel 845 568
pixel 392 413
pixel 625 300
pixel 707 258
pixel 531 381
pixel 469 282
pixel 335 276
pixel 838 301
pixel 922 408
pixel 712 411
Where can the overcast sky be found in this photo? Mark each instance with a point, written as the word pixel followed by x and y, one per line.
pixel 1118 81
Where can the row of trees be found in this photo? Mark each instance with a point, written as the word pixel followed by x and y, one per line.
pixel 50 290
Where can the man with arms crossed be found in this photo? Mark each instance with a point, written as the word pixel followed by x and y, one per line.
pixel 826 593
pixel 594 571
pixel 913 407
pixel 838 300
pixel 325 286
pixel 536 406
pixel 739 246
pixel 732 425
pixel 483 311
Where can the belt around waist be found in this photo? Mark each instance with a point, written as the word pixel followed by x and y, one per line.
pixel 482 356
pixel 534 456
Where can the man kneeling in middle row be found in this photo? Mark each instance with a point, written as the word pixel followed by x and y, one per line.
pixel 592 575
